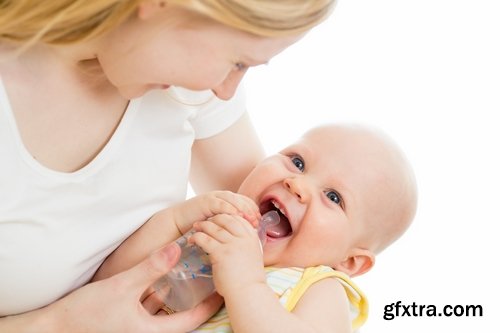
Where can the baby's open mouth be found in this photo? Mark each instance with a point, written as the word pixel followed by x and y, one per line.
pixel 282 229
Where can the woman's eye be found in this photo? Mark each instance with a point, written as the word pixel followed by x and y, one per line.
pixel 240 66
pixel 298 162
pixel 334 197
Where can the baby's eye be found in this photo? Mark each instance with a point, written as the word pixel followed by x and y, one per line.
pixel 334 197
pixel 298 162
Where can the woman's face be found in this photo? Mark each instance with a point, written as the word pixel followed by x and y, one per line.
pixel 150 51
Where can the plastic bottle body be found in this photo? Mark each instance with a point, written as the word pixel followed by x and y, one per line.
pixel 190 281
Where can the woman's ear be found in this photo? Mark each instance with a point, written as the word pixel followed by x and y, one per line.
pixel 357 263
pixel 148 8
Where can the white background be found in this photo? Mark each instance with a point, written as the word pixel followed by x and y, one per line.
pixel 428 73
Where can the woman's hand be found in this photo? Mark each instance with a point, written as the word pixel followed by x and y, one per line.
pixel 114 305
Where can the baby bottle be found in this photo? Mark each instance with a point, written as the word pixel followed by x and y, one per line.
pixel 190 281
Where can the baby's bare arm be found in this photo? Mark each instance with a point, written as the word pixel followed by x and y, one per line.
pixel 159 230
pixel 168 225
pixel 323 308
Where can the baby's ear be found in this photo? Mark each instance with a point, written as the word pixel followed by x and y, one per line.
pixel 359 262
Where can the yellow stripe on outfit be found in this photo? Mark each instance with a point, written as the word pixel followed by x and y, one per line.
pixel 314 274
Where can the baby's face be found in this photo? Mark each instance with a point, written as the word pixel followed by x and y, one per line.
pixel 325 187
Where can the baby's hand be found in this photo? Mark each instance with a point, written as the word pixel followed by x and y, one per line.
pixel 205 206
pixel 234 250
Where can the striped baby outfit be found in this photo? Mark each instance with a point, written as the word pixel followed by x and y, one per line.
pixel 289 284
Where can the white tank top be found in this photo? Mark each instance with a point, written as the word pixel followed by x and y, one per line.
pixel 56 228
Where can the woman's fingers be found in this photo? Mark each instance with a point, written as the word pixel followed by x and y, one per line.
pixel 152 302
pixel 190 319
pixel 152 268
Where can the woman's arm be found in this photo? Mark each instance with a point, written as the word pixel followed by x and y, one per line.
pixel 224 160
pixel 113 305
pixel 34 321
pixel 159 230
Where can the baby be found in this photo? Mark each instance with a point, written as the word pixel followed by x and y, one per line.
pixel 344 193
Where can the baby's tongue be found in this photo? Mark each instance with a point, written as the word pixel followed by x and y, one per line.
pixel 282 229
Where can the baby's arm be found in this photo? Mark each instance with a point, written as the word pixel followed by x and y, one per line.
pixel 252 306
pixel 159 230
pixel 323 308
pixel 168 224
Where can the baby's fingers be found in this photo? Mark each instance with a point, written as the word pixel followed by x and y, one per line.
pixel 233 225
pixel 208 243
pixel 212 230
pixel 243 205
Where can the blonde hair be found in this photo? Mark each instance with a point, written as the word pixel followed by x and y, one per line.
pixel 71 21
pixel 269 18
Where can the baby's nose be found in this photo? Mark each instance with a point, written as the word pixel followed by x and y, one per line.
pixel 297 187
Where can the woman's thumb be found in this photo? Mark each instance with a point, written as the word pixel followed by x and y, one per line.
pixel 153 267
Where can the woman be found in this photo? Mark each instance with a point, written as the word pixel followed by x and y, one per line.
pixel 107 109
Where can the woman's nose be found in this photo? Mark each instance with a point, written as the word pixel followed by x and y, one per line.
pixel 297 187
pixel 227 88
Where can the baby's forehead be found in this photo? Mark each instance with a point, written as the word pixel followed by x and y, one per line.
pixel 340 131
pixel 355 139
pixel 334 140
pixel 359 153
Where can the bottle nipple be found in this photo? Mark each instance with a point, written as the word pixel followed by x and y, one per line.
pixel 269 219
